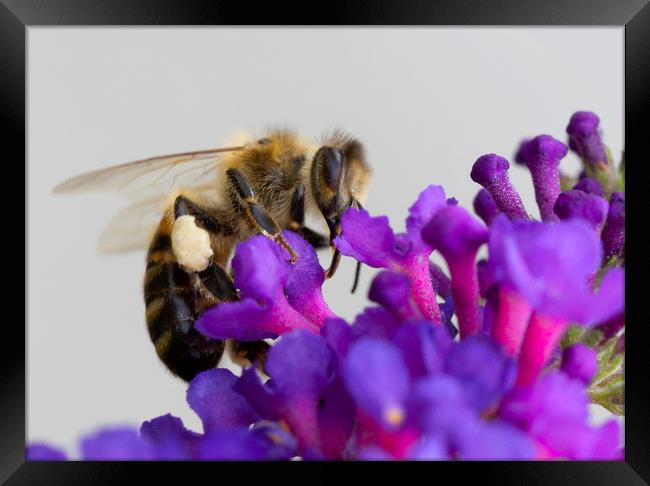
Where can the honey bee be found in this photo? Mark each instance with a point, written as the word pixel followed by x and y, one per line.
pixel 211 200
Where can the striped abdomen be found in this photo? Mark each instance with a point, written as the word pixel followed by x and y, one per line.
pixel 171 305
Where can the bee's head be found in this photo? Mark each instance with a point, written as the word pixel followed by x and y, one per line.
pixel 339 177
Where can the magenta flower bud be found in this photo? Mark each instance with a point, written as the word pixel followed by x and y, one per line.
pixel 585 139
pixel 491 171
pixel 577 204
pixel 485 206
pixel 590 186
pixel 542 156
pixel 613 234
pixel 457 235
pixel 579 362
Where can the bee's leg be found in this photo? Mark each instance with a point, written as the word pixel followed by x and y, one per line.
pixel 314 238
pixel 245 353
pixel 256 212
pixel 186 207
pixel 218 282
pixel 195 241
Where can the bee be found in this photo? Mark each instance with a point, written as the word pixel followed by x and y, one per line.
pixel 211 200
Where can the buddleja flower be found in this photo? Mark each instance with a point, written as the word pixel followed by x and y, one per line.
pixel 371 240
pixel 462 361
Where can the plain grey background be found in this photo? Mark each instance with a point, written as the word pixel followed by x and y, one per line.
pixel 425 101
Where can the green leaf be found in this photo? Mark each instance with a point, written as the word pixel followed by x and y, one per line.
pixel 608 386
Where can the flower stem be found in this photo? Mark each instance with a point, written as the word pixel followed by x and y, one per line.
pixel 465 292
pixel 542 337
pixel 422 288
pixel 511 316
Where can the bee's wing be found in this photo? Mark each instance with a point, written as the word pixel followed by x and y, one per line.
pixel 133 227
pixel 150 177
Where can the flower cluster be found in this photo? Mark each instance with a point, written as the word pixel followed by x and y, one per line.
pixel 467 363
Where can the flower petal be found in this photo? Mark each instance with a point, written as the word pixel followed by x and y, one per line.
pixel 550 265
pixel 369 240
pixel 37 451
pixel 240 444
pixel 482 367
pixel 169 438
pixel 212 397
pixel 375 321
pixel 429 202
pixel 495 441
pixel 378 380
pixel 579 362
pixel 261 268
pixel 303 285
pixel 336 414
pixel 115 444
pixel 418 343
pixel 247 320
pixel 339 336
pixel 393 291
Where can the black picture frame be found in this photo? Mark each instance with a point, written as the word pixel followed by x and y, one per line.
pixel 17 15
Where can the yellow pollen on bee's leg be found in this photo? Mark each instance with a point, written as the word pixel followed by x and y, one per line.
pixel 394 416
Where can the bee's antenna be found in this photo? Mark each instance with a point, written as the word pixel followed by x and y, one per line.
pixel 357 273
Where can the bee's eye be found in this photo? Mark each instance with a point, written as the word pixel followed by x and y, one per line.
pixel 332 166
pixel 264 141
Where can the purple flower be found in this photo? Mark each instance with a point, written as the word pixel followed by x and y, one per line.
pixel 438 407
pixel 423 346
pixel 590 186
pixel 550 266
pixel 378 380
pixel 458 236
pixel 491 171
pixel 393 291
pixel 485 207
pixel 579 362
pixel 495 440
pixel 554 412
pixel 441 282
pixel 482 368
pixel 211 395
pixel 37 451
pixel 375 322
pixel 263 276
pixel 585 139
pixel 303 371
pixel 169 439
pixel 372 241
pixel 542 156
pixel 613 235
pixel 116 444
pixel 579 204
pixel 242 444
pixel 303 285
pixel 339 336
